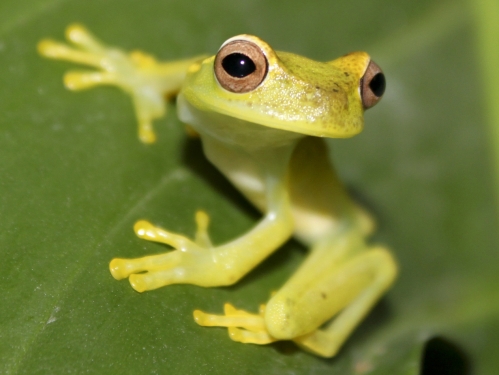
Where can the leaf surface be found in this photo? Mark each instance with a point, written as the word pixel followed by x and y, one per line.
pixel 74 179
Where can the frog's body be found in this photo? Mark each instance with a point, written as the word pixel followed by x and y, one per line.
pixel 260 114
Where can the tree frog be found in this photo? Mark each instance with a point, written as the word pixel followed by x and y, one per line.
pixel 262 116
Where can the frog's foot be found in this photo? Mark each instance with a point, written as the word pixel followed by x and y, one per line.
pixel 191 262
pixel 137 73
pixel 243 326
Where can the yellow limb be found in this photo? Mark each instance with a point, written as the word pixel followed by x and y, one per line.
pixel 198 262
pixel 145 79
pixel 378 269
pixel 339 282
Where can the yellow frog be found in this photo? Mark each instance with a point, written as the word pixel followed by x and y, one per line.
pixel 261 115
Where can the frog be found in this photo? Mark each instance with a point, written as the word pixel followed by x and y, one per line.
pixel 262 116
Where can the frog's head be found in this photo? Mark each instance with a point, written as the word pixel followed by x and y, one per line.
pixel 250 81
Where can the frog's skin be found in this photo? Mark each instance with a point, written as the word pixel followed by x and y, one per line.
pixel 261 126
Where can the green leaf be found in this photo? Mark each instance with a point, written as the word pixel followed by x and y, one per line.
pixel 74 179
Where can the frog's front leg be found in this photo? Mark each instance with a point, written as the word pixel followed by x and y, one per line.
pixel 146 80
pixel 198 262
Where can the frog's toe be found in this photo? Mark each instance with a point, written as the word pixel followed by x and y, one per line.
pixel 121 268
pixel 76 32
pixel 80 80
pixel 231 317
pixel 146 132
pixel 48 48
pixel 156 279
pixel 142 282
pixel 80 36
pixel 249 337
pixel 206 320
pixel 202 223
pixel 55 50
pixel 236 334
pixel 142 59
pixel 148 106
pixel 145 230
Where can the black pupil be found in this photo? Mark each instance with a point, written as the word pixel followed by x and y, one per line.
pixel 238 65
pixel 378 84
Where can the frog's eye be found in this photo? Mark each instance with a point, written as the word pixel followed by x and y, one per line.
pixel 372 85
pixel 240 66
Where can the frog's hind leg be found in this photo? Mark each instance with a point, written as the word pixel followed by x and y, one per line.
pixel 145 79
pixel 341 280
pixel 376 270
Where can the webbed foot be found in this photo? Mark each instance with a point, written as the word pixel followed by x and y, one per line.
pixel 145 79
pixel 191 262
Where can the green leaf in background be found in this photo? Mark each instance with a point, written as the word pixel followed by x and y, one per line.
pixel 74 179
